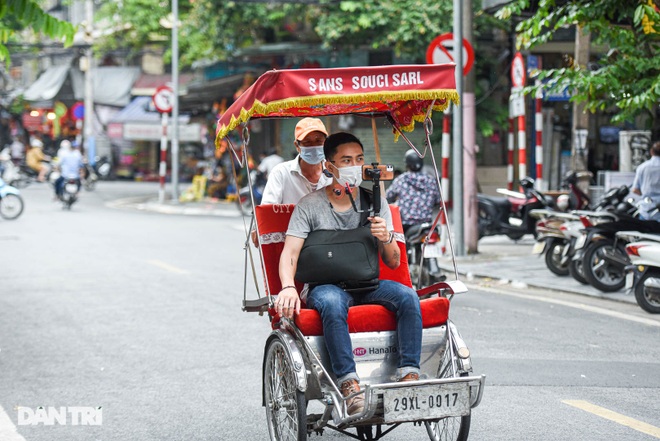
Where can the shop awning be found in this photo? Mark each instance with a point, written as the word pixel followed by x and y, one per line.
pixel 147 84
pixel 141 110
pixel 47 85
pixel 111 85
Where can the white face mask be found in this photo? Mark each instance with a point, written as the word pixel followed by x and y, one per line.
pixel 350 175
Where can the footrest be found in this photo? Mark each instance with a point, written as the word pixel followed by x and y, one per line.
pixel 258 305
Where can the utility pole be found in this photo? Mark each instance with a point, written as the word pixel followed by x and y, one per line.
pixel 88 124
pixel 580 122
pixel 175 104
pixel 470 149
pixel 457 181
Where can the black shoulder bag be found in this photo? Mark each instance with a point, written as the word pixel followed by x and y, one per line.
pixel 346 258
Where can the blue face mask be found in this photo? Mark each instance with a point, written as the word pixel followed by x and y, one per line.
pixel 312 155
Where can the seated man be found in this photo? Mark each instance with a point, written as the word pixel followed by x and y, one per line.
pixel 331 208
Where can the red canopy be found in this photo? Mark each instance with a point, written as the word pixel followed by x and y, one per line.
pixel 403 91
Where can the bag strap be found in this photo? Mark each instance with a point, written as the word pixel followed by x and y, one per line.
pixel 365 206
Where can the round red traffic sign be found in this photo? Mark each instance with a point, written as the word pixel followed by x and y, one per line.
pixel 441 50
pixel 163 99
pixel 518 75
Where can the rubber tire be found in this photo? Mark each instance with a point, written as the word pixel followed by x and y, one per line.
pixel 592 256
pixel 515 236
pixel 553 256
pixel 641 295
pixel 450 428
pixel 16 202
pixel 575 270
pixel 279 379
pixel 484 219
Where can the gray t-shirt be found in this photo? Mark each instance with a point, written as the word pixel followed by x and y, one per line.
pixel 314 212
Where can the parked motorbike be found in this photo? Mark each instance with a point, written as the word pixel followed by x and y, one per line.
pixel 605 257
pixel 11 203
pixel 102 167
pixel 511 215
pixel 552 240
pixel 643 273
pixel 70 190
pixel 422 254
pixel 89 177
pixel 244 200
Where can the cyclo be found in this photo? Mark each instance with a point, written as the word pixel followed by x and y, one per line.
pixel 299 390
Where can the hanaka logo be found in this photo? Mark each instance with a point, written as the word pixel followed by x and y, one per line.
pixel 50 415
pixel 359 352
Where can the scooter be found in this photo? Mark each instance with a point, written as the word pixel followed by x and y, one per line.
pixel 510 215
pixel 89 177
pixel 643 273
pixel 102 167
pixel 69 195
pixel 422 255
pixel 244 199
pixel 11 203
pixel 605 258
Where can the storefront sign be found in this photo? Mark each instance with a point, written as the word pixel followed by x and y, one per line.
pixel 152 132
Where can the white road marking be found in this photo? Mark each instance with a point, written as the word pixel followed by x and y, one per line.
pixel 167 267
pixel 594 309
pixel 7 429
pixel 602 412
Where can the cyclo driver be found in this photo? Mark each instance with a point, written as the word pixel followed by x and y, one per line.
pixel 332 209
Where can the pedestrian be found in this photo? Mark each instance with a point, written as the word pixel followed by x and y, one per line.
pixel 331 208
pixel 269 162
pixel 647 183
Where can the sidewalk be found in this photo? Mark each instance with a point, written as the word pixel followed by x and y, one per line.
pixel 500 259
pixel 507 262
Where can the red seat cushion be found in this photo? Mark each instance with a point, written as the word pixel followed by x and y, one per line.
pixel 372 318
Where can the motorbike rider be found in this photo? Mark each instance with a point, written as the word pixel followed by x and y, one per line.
pixel 70 164
pixel 36 159
pixel 415 191
pixel 647 183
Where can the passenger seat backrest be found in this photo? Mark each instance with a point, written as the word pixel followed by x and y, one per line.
pixel 272 223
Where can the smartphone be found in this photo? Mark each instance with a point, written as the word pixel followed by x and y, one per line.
pixel 384 171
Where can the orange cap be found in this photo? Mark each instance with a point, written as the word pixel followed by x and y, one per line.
pixel 308 125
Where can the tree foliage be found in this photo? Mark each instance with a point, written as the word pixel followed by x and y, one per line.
pixel 626 81
pixel 17 15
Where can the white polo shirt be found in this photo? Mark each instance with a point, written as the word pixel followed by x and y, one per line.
pixel 286 184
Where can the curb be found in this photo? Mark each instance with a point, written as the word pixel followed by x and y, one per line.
pixel 151 204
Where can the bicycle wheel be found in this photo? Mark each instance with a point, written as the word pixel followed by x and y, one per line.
pixel 286 409
pixel 11 206
pixel 450 428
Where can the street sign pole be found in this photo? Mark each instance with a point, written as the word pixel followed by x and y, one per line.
pixel 457 199
pixel 175 104
pixel 162 170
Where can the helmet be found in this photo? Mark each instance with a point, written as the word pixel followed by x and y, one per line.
pixel 563 202
pixel 413 161
pixel 34 142
pixel 65 144
pixel 527 182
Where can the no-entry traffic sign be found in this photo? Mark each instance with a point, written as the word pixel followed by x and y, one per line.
pixel 163 99
pixel 441 50
pixel 518 75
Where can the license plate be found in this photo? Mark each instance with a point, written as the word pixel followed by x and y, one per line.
pixel 630 279
pixel 538 247
pixel 71 188
pixel 432 250
pixel 428 402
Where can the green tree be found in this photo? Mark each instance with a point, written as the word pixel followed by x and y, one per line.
pixel 626 81
pixel 18 15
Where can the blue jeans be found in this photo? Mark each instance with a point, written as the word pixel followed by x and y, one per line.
pixel 333 302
